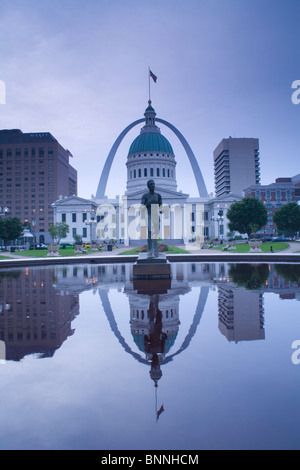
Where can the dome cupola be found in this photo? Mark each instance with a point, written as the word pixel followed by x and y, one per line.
pixel 150 156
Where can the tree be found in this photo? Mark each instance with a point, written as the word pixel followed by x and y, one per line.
pixel 10 229
pixel 58 231
pixel 247 216
pixel 287 219
pixel 3 231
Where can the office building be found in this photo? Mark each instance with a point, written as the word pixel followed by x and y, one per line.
pixel 34 172
pixel 236 165
pixel 275 195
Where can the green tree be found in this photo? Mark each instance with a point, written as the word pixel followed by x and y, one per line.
pixel 287 219
pixel 58 231
pixel 247 216
pixel 3 231
pixel 10 229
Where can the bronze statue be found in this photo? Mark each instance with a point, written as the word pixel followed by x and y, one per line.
pixel 153 202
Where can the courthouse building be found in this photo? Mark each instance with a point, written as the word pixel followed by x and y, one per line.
pixel 184 217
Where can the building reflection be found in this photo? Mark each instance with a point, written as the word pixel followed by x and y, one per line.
pixel 34 317
pixel 38 306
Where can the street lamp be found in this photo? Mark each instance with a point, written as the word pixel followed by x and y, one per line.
pixel 4 211
pixel 92 222
pixel 219 219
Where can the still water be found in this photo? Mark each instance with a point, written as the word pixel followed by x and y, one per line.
pixel 93 360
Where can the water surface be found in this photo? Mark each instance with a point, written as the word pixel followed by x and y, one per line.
pixel 93 360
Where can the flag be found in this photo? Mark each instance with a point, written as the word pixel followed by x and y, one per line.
pixel 160 411
pixel 154 77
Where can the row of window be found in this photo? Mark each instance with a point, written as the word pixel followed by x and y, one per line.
pixel 33 151
pixel 286 194
pixel 74 217
pixel 138 173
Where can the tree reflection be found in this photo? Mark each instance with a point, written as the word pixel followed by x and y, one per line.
pixel 289 272
pixel 249 276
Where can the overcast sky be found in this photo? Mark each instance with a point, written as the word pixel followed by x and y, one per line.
pixel 79 69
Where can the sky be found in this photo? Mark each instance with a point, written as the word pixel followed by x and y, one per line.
pixel 79 69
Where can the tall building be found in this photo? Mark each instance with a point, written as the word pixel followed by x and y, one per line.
pixel 34 172
pixel 236 165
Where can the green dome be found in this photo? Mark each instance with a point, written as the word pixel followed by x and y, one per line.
pixel 150 142
pixel 139 341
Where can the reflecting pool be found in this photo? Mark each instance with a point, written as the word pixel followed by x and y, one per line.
pixel 92 359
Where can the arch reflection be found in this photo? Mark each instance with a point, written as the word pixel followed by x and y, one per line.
pixel 154 321
pixel 38 306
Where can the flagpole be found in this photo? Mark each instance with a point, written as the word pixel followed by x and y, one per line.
pixel 149 83
pixel 156 404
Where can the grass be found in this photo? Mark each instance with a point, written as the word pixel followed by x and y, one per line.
pixel 171 250
pixel 240 248
pixel 265 247
pixel 43 253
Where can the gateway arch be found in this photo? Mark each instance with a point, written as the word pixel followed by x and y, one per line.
pixel 109 161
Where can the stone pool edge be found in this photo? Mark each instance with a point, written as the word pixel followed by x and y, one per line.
pixel 173 258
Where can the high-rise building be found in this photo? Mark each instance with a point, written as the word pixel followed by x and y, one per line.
pixel 236 165
pixel 34 172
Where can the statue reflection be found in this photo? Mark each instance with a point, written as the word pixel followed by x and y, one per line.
pixel 155 337
pixel 154 332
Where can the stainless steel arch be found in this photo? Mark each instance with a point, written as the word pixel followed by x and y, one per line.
pixel 193 161
pixel 109 161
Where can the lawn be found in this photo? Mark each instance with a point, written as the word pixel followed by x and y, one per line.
pixel 69 251
pixel 171 250
pixel 265 247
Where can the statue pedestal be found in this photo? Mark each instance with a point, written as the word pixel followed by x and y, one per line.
pixel 152 268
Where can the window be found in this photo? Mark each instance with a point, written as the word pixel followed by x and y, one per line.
pixel 74 217
pixel 84 232
pixel 84 217
pixel 63 217
pixel 74 232
pixel 151 172
pixel 157 172
pixel 278 195
pixel 145 172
